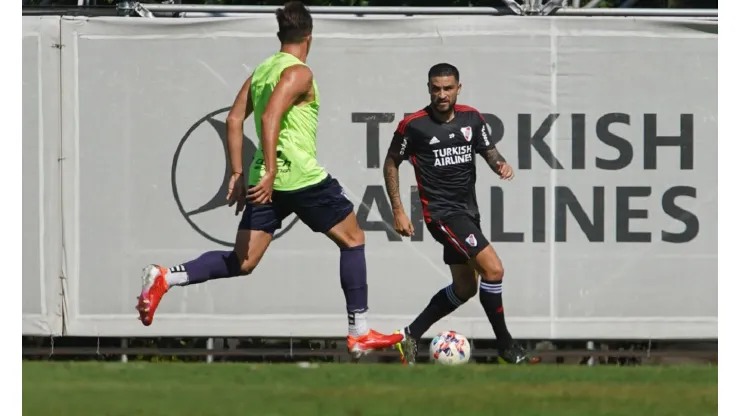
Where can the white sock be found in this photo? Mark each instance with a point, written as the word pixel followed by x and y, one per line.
pixel 357 323
pixel 176 276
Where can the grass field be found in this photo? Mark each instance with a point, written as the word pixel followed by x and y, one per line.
pixel 99 389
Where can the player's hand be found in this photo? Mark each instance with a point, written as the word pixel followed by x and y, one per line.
pixel 402 224
pixel 262 193
pixel 505 171
pixel 236 193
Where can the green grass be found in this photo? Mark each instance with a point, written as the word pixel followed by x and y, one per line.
pixel 146 389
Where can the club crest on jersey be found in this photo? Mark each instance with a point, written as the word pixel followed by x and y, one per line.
pixel 472 242
pixel 467 133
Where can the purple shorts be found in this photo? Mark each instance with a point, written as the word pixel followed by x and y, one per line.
pixel 320 207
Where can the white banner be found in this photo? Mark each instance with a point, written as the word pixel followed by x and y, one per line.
pixel 608 231
pixel 43 270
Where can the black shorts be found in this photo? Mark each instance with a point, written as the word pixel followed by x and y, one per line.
pixel 320 206
pixel 460 236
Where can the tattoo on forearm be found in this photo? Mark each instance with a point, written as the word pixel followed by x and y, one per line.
pixel 390 173
pixel 492 157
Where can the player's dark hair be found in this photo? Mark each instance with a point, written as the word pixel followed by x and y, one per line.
pixel 294 22
pixel 444 70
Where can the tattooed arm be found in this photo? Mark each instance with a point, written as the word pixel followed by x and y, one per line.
pixel 493 158
pixel 488 150
pixel 397 152
pixel 393 159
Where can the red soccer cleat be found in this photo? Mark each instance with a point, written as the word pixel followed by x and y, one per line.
pixel 373 340
pixel 153 287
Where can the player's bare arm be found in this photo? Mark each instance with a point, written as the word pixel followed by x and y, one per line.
pixel 240 111
pixel 488 151
pixel 493 157
pixel 498 163
pixel 393 160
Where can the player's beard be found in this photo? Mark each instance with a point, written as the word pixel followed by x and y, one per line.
pixel 445 108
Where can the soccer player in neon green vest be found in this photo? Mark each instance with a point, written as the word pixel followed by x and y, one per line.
pixel 284 178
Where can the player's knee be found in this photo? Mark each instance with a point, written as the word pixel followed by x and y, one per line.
pixel 493 272
pixel 355 238
pixel 347 234
pixel 465 291
pixel 247 267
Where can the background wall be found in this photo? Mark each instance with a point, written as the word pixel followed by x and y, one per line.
pixel 608 230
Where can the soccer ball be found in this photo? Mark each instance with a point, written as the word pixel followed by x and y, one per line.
pixel 449 348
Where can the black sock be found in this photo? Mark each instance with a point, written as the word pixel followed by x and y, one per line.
pixel 490 298
pixel 441 305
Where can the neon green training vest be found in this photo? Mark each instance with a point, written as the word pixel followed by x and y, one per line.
pixel 297 166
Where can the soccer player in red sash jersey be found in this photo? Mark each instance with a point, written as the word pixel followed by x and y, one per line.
pixel 441 141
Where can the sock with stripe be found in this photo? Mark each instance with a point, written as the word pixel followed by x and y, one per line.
pixel 442 304
pixel 493 305
pixel 177 276
pixel 353 278
pixel 210 265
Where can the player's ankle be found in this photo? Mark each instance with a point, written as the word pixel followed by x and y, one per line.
pixel 357 323
pixel 407 334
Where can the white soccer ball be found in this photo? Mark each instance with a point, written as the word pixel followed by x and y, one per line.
pixel 450 348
